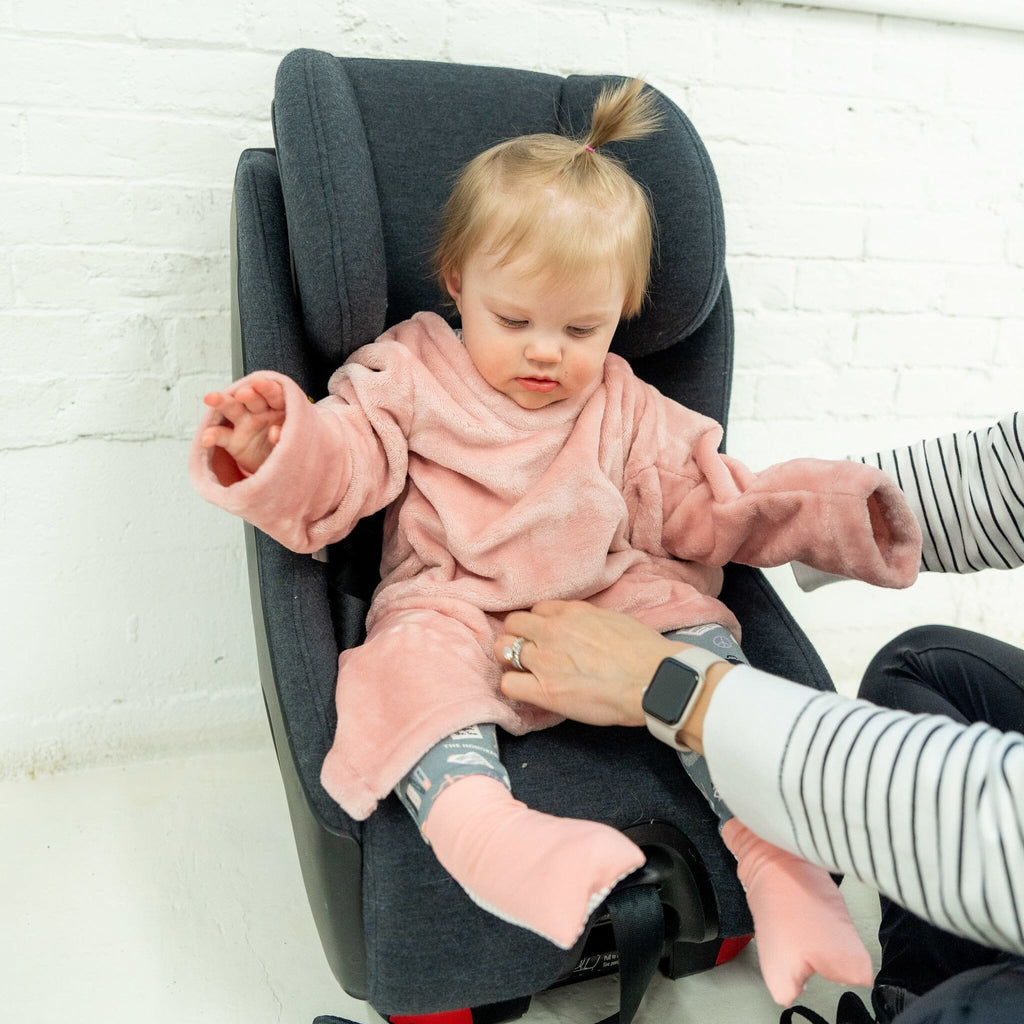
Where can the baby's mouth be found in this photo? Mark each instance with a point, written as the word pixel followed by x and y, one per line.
pixel 542 385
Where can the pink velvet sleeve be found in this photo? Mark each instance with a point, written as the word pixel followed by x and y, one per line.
pixel 329 469
pixel 690 501
pixel 841 517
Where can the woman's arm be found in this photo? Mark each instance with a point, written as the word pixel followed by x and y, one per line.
pixel 967 492
pixel 927 811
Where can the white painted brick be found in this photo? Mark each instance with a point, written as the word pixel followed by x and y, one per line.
pixel 866 287
pixel 1006 375
pixel 944 186
pixel 761 284
pixel 182 217
pixel 858 176
pixel 1015 238
pixel 75 343
pixel 129 645
pixel 281 26
pixel 810 395
pixel 136 407
pixel 821 340
pixel 790 394
pixel 750 175
pixel 99 18
pixel 387 28
pixel 6 280
pixel 984 291
pixel 12 142
pixel 925 340
pixel 121 279
pixel 760 444
pixel 484 35
pixel 1000 395
pixel 582 38
pixel 122 76
pixel 909 69
pixel 929 236
pixel 923 390
pixel 765 174
pixel 1010 344
pixel 753 59
pixel 744 394
pixel 885 129
pixel 989 72
pixel 49 213
pixel 673 53
pixel 795 121
pixel 840 65
pixel 192 20
pixel 824 26
pixel 103 66
pixel 139 148
pixel 994 147
pixel 213 82
pixel 198 344
pixel 767 229
pixel 42 212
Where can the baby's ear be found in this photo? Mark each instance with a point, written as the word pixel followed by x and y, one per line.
pixel 453 282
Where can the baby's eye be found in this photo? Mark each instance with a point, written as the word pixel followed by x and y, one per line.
pixel 506 322
pixel 581 332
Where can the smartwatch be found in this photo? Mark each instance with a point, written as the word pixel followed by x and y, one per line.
pixel 672 693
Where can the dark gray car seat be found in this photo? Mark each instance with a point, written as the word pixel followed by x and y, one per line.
pixel 331 239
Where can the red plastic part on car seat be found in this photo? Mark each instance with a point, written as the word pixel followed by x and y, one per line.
pixel 447 1017
pixel 730 947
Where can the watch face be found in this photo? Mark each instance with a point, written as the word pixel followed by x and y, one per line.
pixel 670 691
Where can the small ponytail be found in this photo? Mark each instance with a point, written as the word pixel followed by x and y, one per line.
pixel 622 112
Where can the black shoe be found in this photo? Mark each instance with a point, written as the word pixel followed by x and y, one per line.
pixel 851 1010
pixel 888 1001
pixel 805 1012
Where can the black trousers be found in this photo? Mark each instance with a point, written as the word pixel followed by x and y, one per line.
pixel 970 678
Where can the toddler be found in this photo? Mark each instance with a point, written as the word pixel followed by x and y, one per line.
pixel 518 461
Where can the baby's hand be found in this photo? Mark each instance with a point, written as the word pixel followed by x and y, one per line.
pixel 253 415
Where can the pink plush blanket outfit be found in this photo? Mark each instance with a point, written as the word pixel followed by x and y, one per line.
pixel 618 496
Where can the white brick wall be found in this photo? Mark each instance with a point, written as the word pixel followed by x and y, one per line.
pixel 871 169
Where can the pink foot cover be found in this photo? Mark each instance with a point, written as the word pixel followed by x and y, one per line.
pixel 801 924
pixel 534 870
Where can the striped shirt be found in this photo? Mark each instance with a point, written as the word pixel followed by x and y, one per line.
pixel 967 492
pixel 929 812
pixel 925 810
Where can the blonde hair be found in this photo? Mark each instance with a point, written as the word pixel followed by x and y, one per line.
pixel 560 203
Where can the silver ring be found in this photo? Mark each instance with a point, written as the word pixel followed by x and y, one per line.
pixel 513 651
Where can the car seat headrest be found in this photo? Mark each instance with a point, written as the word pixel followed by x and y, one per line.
pixel 368 149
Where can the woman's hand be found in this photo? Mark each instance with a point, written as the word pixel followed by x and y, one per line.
pixel 582 662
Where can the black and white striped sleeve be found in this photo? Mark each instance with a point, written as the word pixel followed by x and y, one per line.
pixel 967 491
pixel 927 811
pixel 922 809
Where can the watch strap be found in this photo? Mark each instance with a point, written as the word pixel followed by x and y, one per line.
pixel 700 660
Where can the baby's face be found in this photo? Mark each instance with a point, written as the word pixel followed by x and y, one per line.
pixel 537 342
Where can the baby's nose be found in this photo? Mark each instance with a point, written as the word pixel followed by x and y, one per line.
pixel 544 349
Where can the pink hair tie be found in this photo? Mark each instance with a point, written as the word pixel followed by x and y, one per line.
pixel 589 149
